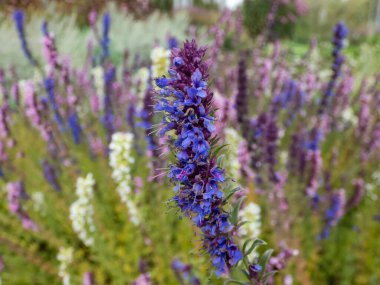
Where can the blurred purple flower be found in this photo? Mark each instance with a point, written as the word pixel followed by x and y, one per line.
pixel 105 41
pixel 143 279
pixel 49 49
pixel 340 34
pixel 241 101
pixel 16 193
pixel 50 175
pixel 334 212
pixel 49 87
pixel 183 273
pixel 357 195
pixel 88 278
pixel 19 19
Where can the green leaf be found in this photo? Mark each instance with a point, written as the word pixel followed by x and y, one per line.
pixel 233 282
pixel 268 275
pixel 230 192
pixel 245 272
pixel 213 141
pixel 217 150
pixel 255 244
pixel 219 161
pixel 235 212
pixel 243 223
pixel 264 259
pixel 246 243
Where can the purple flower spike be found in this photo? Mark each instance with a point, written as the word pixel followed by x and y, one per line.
pixel 108 117
pixel 186 102
pixel 334 212
pixel 49 49
pixel 19 18
pixel 241 101
pixel 88 278
pixel 183 273
pixel 340 34
pixel 105 41
pixel 49 87
pixel 50 175
pixel 76 129
pixel 16 193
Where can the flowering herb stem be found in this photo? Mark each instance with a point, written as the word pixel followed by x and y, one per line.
pixel 185 99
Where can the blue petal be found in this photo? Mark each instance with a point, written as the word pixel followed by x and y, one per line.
pixel 183 156
pixel 162 82
pixel 209 125
pixel 202 93
pixel 196 77
pixel 186 142
pixel 192 92
pixel 178 61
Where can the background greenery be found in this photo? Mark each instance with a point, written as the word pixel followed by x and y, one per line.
pixel 345 258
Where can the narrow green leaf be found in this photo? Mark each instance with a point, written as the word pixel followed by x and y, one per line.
pixel 217 150
pixel 219 161
pixel 233 282
pixel 246 244
pixel 245 272
pixel 213 141
pixel 235 212
pixel 264 260
pixel 255 244
pixel 243 223
pixel 268 275
pixel 230 192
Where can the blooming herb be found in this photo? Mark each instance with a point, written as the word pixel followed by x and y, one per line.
pixel 185 100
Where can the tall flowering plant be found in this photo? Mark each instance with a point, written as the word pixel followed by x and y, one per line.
pixel 186 102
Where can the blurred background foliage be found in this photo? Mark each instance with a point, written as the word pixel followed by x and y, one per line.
pixel 157 19
pixel 72 37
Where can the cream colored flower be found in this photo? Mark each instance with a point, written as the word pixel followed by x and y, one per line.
pixel 65 258
pixel 38 199
pixel 98 77
pixel 160 61
pixel 349 116
pixel 251 214
pixel 121 161
pixel 82 212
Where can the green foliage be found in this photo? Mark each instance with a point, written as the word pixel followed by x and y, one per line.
pixel 125 34
pixel 163 5
pixel 349 256
pixel 323 14
pixel 255 14
pixel 119 244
